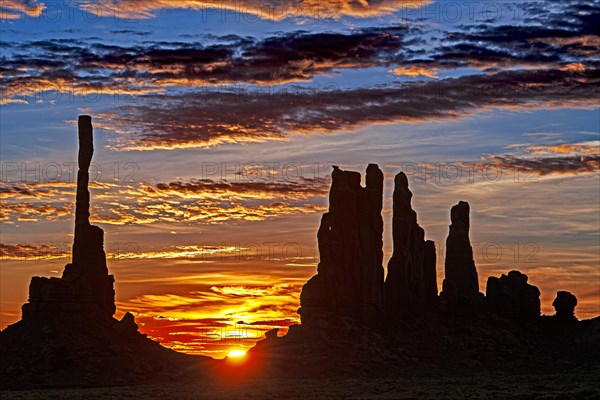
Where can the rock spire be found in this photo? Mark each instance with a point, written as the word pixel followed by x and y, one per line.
pixel 86 285
pixel 410 284
pixel 461 285
pixel 349 281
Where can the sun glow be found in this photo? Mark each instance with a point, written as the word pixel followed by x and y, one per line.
pixel 236 353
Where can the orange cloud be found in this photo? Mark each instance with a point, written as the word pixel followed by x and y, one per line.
pixel 414 71
pixel 54 88
pixel 205 201
pixel 56 251
pixel 588 148
pixel 14 9
pixel 574 67
pixel 180 251
pixel 208 322
pixel 299 188
pixel 29 212
pixel 38 251
pixel 269 10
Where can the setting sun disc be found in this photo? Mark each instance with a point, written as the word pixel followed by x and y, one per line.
pixel 236 353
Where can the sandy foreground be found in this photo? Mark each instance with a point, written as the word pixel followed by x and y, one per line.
pixel 572 385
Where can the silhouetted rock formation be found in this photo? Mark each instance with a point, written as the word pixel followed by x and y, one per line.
pixel 349 282
pixel 512 297
pixel 461 285
pixel 85 285
pixel 564 304
pixel 333 339
pixel 410 285
pixel 67 335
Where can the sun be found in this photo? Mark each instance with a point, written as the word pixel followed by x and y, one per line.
pixel 236 353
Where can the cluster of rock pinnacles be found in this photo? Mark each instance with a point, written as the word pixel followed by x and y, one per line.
pixel 350 279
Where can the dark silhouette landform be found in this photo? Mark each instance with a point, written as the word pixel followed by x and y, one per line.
pixel 354 321
pixel 67 334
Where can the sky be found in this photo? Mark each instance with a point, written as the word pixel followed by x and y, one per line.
pixel 216 125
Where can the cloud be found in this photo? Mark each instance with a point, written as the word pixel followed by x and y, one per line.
pixel 36 251
pixel 92 69
pixel 202 253
pixel 549 159
pixel 208 213
pixel 552 33
pixel 29 212
pixel 204 120
pixel 199 200
pixel 43 200
pixel 269 9
pixel 54 251
pixel 299 188
pixel 210 321
pixel 35 190
pixel 547 165
pixel 21 191
pixel 415 71
pixel 586 148
pixel 14 9
pixel 574 67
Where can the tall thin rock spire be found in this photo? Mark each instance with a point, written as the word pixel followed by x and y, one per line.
pixel 85 285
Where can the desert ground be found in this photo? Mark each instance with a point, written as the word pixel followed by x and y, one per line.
pixel 576 384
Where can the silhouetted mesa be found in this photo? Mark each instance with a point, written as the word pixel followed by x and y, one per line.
pixel 85 285
pixel 461 286
pixel 411 284
pixel 564 304
pixel 512 297
pixel 349 282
